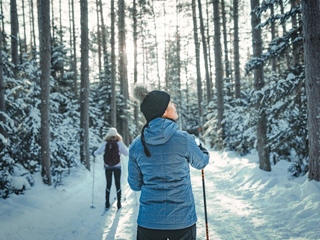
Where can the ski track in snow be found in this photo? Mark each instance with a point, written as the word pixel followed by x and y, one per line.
pixel 243 202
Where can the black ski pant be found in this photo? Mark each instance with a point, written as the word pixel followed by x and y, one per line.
pixel 117 176
pixel 189 233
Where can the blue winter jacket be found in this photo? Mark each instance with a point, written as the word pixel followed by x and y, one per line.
pixel 166 200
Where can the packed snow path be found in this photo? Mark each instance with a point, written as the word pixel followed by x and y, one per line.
pixel 243 202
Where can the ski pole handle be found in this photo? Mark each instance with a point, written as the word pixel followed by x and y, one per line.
pixel 205 204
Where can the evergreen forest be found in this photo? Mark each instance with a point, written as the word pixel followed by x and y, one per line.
pixel 244 75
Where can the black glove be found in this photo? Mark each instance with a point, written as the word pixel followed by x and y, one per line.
pixel 203 149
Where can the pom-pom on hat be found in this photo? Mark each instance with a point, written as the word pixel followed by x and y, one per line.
pixel 153 104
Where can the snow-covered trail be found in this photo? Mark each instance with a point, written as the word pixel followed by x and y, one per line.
pixel 243 203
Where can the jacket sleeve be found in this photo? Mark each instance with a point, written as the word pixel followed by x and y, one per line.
pixel 123 149
pixel 134 173
pixel 100 150
pixel 195 156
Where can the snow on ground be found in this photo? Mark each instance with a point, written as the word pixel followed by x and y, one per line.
pixel 243 202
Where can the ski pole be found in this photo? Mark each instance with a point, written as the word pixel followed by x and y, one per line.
pixel 205 204
pixel 94 160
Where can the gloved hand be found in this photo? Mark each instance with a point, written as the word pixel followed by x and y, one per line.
pixel 203 149
pixel 93 152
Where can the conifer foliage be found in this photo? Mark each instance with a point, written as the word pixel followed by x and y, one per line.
pixel 265 95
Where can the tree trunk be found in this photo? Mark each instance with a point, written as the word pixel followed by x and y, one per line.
pixel 123 75
pixel 197 49
pixel 236 48
pixel 135 58
pixel 14 32
pixel 33 35
pixel 258 85
pixel 3 131
pixel 113 69
pixel 208 44
pixel 84 91
pixel 284 32
pixel 273 36
pixel 226 49
pixel 60 23
pixel 178 44
pixel 52 24
pixel 218 63
pixel 98 36
pixel 311 33
pixel 2 20
pixel 205 54
pixel 45 63
pixel 295 51
pixel 104 46
pixel 75 69
pixel 166 49
pixel 156 45
pixel 24 28
pixel 61 40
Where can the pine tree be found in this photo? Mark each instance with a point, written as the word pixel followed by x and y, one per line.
pixel 311 33
pixel 84 90
pixel 45 61
pixel 258 85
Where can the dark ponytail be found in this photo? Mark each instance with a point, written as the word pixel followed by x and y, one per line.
pixel 146 151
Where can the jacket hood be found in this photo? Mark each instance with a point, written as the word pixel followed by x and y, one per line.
pixel 160 131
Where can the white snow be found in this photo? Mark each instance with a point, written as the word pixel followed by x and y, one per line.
pixel 243 202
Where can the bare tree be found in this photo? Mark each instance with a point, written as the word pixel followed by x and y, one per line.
pixel 205 54
pixel 311 33
pixel 113 69
pixel 14 32
pixel 33 32
pixel 178 57
pixel 218 63
pixel 295 47
pixel 3 131
pixel 273 36
pixel 74 68
pixel 104 44
pixel 135 57
pixel 263 150
pixel 197 49
pixel 24 28
pixel 156 44
pixel 236 48
pixel 98 36
pixel 84 90
pixel 45 63
pixel 123 72
pixel 284 29
pixel 225 43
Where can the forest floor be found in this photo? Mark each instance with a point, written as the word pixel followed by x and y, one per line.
pixel 243 202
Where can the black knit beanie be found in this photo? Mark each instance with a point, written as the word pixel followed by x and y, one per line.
pixel 154 104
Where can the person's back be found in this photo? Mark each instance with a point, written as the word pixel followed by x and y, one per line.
pixel 159 166
pixel 166 196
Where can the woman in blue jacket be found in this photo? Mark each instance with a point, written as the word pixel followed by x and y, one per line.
pixel 159 161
